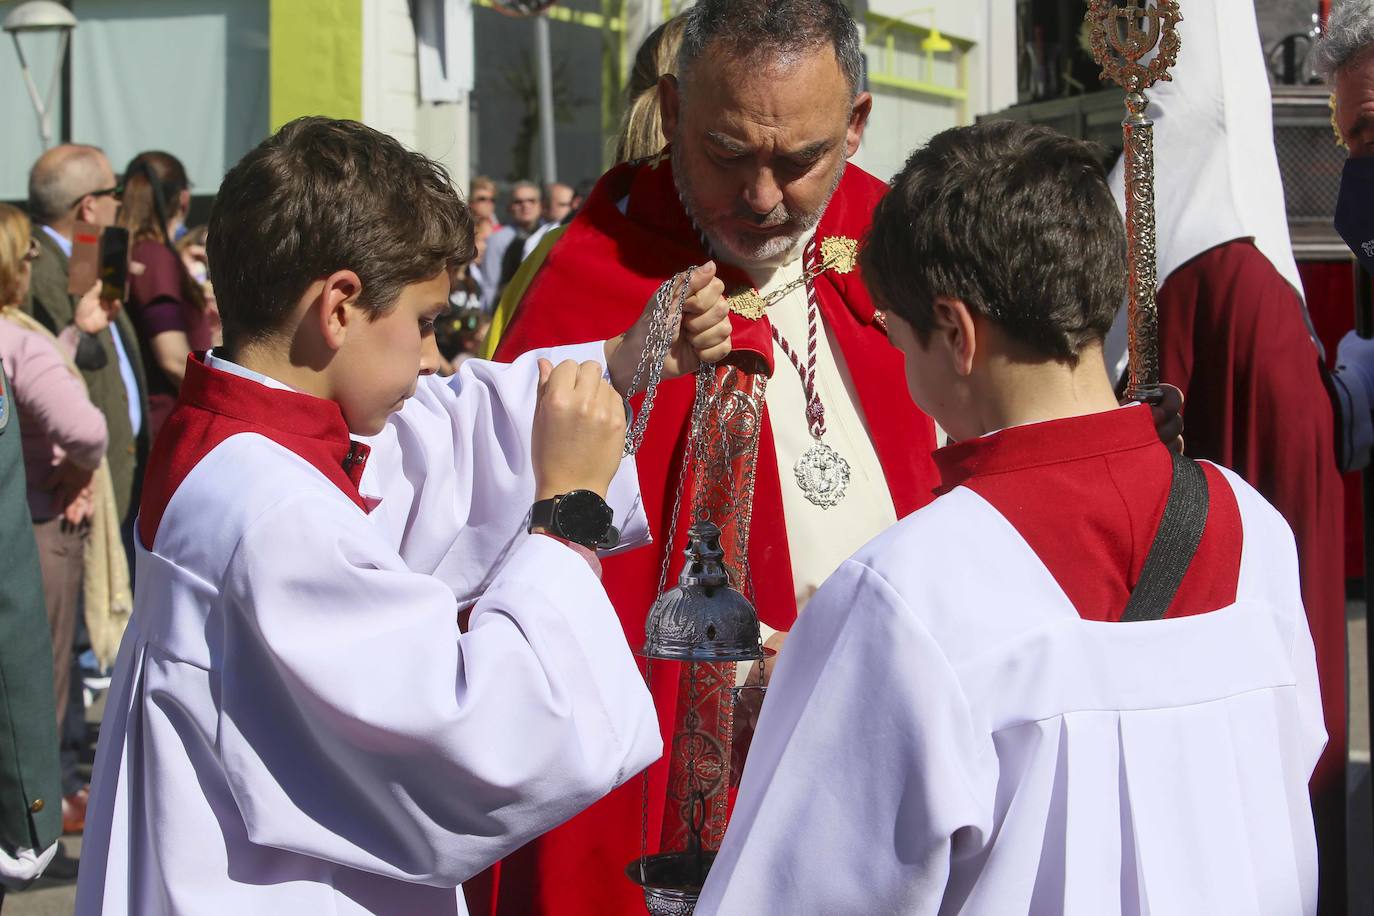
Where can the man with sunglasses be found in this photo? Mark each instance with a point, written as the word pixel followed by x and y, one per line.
pixel 73 184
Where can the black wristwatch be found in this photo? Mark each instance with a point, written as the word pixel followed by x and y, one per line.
pixel 580 516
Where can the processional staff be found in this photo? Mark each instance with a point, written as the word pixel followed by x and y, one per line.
pixel 1122 36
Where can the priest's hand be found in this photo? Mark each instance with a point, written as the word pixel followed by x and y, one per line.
pixel 702 335
pixel 579 430
pixel 1168 417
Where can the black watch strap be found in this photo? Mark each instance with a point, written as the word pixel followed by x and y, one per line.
pixel 541 514
pixel 604 536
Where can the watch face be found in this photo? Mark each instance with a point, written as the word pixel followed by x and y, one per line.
pixel 584 517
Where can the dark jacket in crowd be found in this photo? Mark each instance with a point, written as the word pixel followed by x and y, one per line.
pixel 30 797
pixel 54 307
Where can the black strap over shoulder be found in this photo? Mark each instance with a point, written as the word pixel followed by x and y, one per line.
pixel 1175 543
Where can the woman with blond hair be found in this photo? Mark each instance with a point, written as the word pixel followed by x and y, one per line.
pixel 641 125
pixel 639 137
pixel 63 440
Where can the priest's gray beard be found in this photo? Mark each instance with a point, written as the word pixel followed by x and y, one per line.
pixel 740 248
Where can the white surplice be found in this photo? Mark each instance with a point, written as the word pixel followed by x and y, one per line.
pixel 296 724
pixel 942 737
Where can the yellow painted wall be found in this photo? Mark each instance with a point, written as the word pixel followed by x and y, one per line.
pixel 316 59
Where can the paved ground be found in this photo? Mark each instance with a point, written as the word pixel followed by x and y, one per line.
pixel 57 898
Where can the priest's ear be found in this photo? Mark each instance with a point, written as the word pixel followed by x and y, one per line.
pixel 669 103
pixel 858 120
pixel 334 305
pixel 954 333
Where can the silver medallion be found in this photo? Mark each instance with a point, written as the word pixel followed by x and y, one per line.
pixel 823 475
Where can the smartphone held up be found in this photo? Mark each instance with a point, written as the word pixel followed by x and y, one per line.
pixel 99 254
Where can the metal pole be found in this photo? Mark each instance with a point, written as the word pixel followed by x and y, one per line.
pixel 44 130
pixel 1121 37
pixel 544 63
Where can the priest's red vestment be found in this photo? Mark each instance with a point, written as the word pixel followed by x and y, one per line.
pixel 630 236
pixel 1233 339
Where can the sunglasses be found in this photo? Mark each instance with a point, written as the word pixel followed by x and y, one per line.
pixel 484 199
pixel 117 192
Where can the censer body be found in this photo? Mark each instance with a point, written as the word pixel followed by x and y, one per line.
pixel 701 621
pixel 703 627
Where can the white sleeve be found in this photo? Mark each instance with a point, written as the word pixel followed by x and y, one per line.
pixel 454 476
pixel 862 780
pixel 358 726
pixel 24 866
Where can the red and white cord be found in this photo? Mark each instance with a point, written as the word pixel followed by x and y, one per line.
pixel 815 410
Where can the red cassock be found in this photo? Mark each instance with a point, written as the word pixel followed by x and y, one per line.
pixel 594 284
pixel 1233 339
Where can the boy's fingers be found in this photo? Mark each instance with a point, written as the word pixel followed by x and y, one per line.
pixel 614 403
pixel 545 370
pixel 562 376
pixel 589 376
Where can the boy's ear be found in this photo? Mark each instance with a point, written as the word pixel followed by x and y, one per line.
pixel 334 306
pixel 956 332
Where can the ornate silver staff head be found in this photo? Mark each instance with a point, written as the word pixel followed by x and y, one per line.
pixel 1122 35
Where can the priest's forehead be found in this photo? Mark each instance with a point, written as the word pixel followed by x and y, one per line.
pixel 784 104
pixel 1354 85
pixel 757 32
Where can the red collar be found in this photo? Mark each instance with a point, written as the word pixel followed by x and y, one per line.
pixel 312 427
pixel 1048 442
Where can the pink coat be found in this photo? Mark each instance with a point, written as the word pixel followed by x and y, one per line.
pixel 56 416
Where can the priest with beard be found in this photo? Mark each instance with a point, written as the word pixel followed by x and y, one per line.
pixel 766 109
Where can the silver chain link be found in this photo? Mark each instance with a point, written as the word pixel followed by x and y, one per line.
pixel 661 334
pixel 663 325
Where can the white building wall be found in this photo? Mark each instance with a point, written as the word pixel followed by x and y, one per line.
pixel 391 91
pixel 904 119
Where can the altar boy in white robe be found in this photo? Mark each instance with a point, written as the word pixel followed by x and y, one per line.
pixel 297 723
pixel 967 718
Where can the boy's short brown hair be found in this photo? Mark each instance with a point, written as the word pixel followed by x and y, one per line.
pixel 1013 219
pixel 322 195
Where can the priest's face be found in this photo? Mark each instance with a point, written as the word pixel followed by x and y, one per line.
pixel 383 356
pixel 1354 95
pixel 759 146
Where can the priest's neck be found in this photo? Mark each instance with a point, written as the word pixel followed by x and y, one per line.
pixel 1009 390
